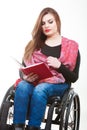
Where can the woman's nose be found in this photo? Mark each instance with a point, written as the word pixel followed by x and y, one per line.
pixel 46 25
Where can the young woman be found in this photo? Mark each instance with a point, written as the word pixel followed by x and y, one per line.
pixel 60 54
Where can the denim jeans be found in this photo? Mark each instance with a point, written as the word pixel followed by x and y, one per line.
pixel 27 96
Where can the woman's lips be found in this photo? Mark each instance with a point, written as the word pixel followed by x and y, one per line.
pixel 47 30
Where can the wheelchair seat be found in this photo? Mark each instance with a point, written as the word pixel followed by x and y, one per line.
pixel 63 112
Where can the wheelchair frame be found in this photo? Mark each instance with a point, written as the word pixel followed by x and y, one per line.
pixel 63 112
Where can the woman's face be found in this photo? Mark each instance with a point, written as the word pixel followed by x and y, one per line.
pixel 49 25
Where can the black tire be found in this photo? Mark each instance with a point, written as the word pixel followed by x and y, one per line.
pixel 70 116
pixel 4 110
pixel 8 93
pixel 7 97
pixel 4 115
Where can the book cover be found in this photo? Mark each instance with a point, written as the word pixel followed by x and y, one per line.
pixel 39 68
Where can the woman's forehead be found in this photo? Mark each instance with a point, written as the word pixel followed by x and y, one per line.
pixel 47 17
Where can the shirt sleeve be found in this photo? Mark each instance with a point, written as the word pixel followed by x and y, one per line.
pixel 70 76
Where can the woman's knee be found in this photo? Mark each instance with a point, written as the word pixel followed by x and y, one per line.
pixel 24 88
pixel 40 91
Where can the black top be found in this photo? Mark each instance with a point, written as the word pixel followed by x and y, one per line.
pixel 70 76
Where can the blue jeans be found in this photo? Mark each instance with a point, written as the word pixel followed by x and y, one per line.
pixel 34 98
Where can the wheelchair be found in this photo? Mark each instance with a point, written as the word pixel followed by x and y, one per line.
pixel 61 113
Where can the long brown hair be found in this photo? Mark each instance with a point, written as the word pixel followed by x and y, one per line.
pixel 38 37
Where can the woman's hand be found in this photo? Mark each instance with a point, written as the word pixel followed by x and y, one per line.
pixel 53 62
pixel 31 77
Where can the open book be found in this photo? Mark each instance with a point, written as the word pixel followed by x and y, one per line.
pixel 39 68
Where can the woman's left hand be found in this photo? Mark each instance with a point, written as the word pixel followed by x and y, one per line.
pixel 53 62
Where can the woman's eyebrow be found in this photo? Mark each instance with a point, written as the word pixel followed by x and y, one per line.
pixel 49 19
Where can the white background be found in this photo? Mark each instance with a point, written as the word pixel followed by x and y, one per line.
pixel 17 18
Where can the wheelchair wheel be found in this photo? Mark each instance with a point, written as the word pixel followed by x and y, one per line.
pixel 6 111
pixel 70 115
pixel 6 115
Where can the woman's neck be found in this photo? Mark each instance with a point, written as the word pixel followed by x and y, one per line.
pixel 54 40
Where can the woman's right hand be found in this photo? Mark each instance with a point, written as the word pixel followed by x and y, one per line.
pixel 31 77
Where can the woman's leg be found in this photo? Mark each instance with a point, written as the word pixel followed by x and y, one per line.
pixel 21 101
pixel 40 95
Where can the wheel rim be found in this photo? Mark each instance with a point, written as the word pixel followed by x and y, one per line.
pixel 71 115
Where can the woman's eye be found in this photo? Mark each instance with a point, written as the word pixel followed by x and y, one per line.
pixel 43 23
pixel 50 22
